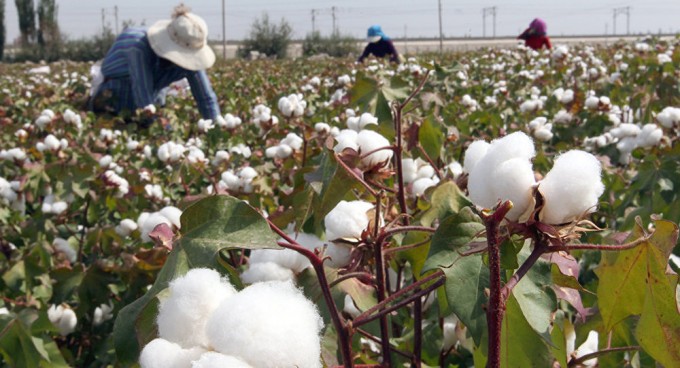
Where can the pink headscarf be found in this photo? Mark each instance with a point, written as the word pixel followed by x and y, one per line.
pixel 539 26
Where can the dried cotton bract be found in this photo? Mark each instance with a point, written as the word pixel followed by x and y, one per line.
pixel 572 188
pixel 268 324
pixel 191 302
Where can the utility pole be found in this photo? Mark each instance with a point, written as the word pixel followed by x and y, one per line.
pixel 115 14
pixel 224 31
pixel 441 34
pixel 405 39
pixel 333 13
pixel 489 11
pixel 620 11
pixel 313 20
pixel 103 23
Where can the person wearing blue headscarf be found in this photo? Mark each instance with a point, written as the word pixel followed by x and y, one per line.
pixel 379 45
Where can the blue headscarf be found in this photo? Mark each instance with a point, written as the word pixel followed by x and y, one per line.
pixel 375 30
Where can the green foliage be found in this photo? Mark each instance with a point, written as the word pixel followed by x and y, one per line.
pixel 267 38
pixel 335 45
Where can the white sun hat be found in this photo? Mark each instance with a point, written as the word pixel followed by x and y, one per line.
pixel 182 40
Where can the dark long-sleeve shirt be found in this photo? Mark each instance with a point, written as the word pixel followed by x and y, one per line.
pixel 380 49
pixel 135 75
pixel 535 40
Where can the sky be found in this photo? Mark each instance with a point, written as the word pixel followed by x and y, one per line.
pixel 398 18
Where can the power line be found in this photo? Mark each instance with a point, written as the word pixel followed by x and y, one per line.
pixel 620 11
pixel 489 11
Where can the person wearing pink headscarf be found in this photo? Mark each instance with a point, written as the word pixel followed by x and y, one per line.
pixel 535 36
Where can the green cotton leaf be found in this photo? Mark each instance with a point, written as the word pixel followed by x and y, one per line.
pixel 466 281
pixel 447 199
pixel 624 276
pixel 218 222
pixel 431 137
pixel 534 295
pixel 658 330
pixel 364 92
pixel 18 347
pixel 337 183
pixel 125 327
pixel 452 235
pixel 416 256
pixel 521 346
pixel 66 282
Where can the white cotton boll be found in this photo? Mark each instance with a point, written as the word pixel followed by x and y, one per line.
pixel 571 188
pixel 669 116
pixel 293 140
pixel 126 227
pixel 369 141
pixel 367 119
pixel 664 58
pixel 625 130
pixel 449 332
pixel 347 220
pixel 538 122
pixel 409 170
pixel 247 173
pixel 221 156
pixel 102 314
pixel 543 134
pixel 588 346
pixel 627 144
pixel 231 180
pixel 52 143
pixel 183 315
pixel 196 156
pixel 344 79
pixel 286 258
pixel 567 96
pixel 160 353
pixel 512 180
pixel 425 170
pixel 563 117
pixel 349 307
pixel 271 152
pixel 131 144
pixel 592 102
pixel 63 318
pixel 346 139
pixel 455 169
pixel 173 214
pixel 213 359
pixel 42 120
pixel 204 125
pixel 268 324
pixel 59 207
pixel 266 271
pixel 322 128
pixel 475 151
pixel 150 223
pixel 62 246
pixel 339 255
pixel 229 122
pixel 420 185
pixel 650 136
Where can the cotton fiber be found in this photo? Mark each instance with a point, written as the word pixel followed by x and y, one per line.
pixel 160 353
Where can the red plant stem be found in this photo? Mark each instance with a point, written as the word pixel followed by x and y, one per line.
pixel 418 332
pixel 367 317
pixel 355 175
pixel 575 362
pixel 540 248
pixel 437 277
pixel 568 247
pixel 381 288
pixel 336 317
pixel 496 307
pixel 430 161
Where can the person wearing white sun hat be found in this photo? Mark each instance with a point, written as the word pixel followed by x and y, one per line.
pixel 143 62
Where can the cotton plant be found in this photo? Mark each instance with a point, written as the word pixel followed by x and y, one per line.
pixel 564 96
pixel 359 123
pixel 541 129
pixel 147 221
pixel 669 117
pixel 594 102
pixel 291 143
pixel 262 117
pixel 63 318
pixel 502 170
pixel 171 152
pixel 113 180
pixel 44 118
pixel 229 121
pixel 51 205
pixel 204 322
pixel 205 125
pixel 102 313
pixel 126 227
pixel 280 264
pixel 371 145
pixel 418 175
pixel 239 181
pixel 241 150
pixel 293 105
pixel 533 104
pixel 52 144
pixel 345 225
pixel 62 246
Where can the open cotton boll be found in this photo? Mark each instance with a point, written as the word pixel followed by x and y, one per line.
pixel 347 220
pixel 346 139
pixel 513 180
pixel 173 214
pixel 266 271
pixel 650 136
pixel 293 140
pixel 102 314
pixel 449 332
pixel 63 318
pixel 160 353
pixel 62 246
pixel 268 324
pixel 358 123
pixel 475 151
pixel 589 346
pixel 349 307
pixel 370 141
pixel 183 315
pixel 571 188
pixel 669 116
pixel 153 220
pixel 212 359
pixel 420 186
pixel 339 254
pixel 409 170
